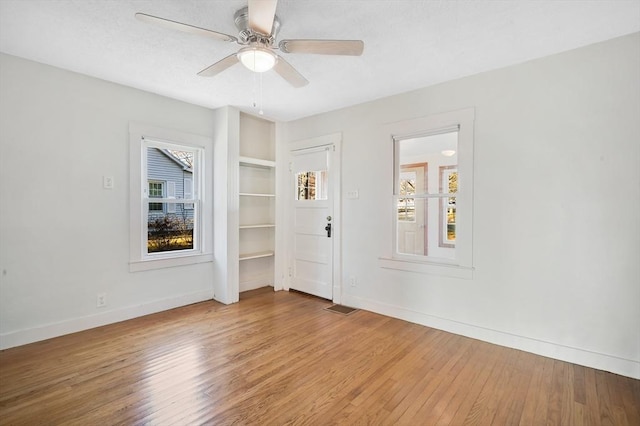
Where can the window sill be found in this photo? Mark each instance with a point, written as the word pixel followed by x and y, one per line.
pixel 151 264
pixel 453 271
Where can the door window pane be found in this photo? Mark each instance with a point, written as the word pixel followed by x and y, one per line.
pixel 311 185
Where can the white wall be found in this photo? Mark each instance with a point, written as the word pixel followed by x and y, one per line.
pixel 63 238
pixel 556 207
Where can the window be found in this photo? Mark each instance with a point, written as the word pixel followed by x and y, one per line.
pixel 156 190
pixel 170 226
pixel 418 228
pixel 432 194
pixel 168 206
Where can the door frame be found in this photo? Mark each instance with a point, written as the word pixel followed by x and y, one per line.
pixel 335 140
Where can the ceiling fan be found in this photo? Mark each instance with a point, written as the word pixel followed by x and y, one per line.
pixel 258 27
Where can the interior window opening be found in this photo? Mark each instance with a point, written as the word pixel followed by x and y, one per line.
pixel 425 195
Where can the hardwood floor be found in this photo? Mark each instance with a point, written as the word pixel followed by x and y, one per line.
pixel 280 358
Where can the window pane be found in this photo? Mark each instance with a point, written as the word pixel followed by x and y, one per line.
pixel 170 173
pixel 448 183
pixel 450 234
pixel 311 185
pixel 185 157
pixel 412 232
pixel 169 232
pixel 155 190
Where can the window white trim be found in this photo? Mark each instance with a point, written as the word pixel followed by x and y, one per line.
pixel 424 267
pixel 139 260
pixel 463 122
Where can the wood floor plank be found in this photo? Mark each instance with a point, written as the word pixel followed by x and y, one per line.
pixel 536 388
pixel 630 399
pixel 484 408
pixel 450 368
pixel 514 401
pixel 554 410
pixel 592 405
pixel 460 406
pixel 279 358
pixel 606 409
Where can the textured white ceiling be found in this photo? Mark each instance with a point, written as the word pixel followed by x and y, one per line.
pixel 408 44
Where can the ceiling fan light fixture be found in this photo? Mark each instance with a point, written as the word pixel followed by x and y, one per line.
pixel 257 59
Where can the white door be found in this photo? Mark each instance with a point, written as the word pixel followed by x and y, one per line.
pixel 312 222
pixel 412 214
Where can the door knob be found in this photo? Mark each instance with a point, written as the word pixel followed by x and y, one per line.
pixel 328 229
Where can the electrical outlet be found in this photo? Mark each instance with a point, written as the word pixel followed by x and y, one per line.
pixel 101 300
pixel 353 281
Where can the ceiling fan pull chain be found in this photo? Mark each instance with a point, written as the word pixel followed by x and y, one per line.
pixel 260 102
pixel 254 95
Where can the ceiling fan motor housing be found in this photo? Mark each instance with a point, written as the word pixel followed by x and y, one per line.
pixel 247 35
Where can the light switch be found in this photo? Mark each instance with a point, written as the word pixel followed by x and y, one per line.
pixel 353 195
pixel 107 182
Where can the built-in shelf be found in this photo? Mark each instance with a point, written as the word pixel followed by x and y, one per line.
pixel 258 225
pixel 256 174
pixel 248 256
pixel 256 162
pixel 248 194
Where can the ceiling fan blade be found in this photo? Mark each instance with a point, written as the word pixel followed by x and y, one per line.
pixel 261 15
pixel 219 66
pixel 167 23
pixel 289 73
pixel 323 47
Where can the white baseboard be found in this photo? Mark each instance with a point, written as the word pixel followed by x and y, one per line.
pixel 23 337
pixel 600 361
pixel 256 283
